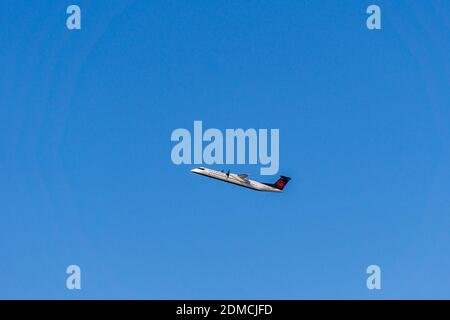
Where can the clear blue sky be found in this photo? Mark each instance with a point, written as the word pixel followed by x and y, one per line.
pixel 86 176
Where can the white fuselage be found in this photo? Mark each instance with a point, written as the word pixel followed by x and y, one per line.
pixel 235 179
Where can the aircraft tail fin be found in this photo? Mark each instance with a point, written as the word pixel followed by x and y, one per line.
pixel 281 183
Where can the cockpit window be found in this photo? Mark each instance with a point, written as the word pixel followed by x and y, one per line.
pixel 201 168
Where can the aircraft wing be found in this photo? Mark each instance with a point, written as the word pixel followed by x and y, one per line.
pixel 243 176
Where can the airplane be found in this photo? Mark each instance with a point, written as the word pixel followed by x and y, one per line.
pixel 242 180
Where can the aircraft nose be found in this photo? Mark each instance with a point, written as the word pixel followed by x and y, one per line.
pixel 198 170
